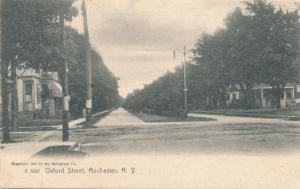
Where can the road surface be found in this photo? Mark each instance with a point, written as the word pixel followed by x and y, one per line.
pixel 122 132
pixel 118 117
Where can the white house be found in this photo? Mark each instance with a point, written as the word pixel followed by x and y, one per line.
pixel 31 84
pixel 289 98
pixel 263 96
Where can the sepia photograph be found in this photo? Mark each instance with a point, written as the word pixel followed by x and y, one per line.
pixel 150 94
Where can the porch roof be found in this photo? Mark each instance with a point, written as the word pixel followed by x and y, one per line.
pixel 258 87
pixel 55 88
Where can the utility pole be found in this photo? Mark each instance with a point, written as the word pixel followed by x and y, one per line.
pixel 4 74
pixel 185 88
pixel 88 75
pixel 66 98
pixel 185 83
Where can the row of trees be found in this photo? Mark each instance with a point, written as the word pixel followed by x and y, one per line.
pixel 258 44
pixel 105 84
pixel 31 35
pixel 163 96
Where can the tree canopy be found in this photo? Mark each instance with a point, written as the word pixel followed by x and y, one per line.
pixel 32 35
pixel 29 29
pixel 105 84
pixel 258 44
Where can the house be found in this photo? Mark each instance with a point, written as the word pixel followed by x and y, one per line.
pixel 29 89
pixel 263 96
pixel 232 95
pixel 289 98
pixel 52 94
pixel 38 93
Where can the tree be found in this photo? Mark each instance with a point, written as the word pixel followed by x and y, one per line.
pixel 243 55
pixel 105 84
pixel 27 26
pixel 164 96
pixel 277 33
pixel 4 77
pixel 213 58
pixel 258 46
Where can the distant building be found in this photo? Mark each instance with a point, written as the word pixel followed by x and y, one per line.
pixel 289 98
pixel 263 98
pixel 232 96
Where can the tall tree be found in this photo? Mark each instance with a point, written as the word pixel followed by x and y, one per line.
pixel 163 96
pixel 242 54
pixel 4 77
pixel 276 32
pixel 29 38
pixel 257 46
pixel 212 54
pixel 105 84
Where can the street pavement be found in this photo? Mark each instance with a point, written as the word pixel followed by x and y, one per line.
pixel 122 132
pixel 227 152
pixel 119 117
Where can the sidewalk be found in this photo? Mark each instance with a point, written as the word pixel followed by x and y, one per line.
pixel 51 134
pixel 263 114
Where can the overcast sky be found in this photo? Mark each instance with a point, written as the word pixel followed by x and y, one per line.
pixel 136 37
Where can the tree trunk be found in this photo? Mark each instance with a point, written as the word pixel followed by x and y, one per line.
pixel 4 78
pixel 249 98
pixel 246 96
pixel 222 100
pixel 14 97
pixel 276 90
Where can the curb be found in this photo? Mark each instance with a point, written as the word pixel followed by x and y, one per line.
pixel 266 116
pixel 103 113
pixel 73 124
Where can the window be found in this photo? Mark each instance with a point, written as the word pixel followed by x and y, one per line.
pixel 289 94
pixel 20 67
pixel 28 91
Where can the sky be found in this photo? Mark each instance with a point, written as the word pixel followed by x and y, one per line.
pixel 136 38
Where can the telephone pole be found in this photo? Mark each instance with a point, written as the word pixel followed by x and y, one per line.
pixel 185 89
pixel 66 98
pixel 88 75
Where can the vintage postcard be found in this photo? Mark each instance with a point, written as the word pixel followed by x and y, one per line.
pixel 150 94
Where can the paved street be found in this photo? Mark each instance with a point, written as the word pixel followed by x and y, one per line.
pixel 119 117
pixel 120 131
pixel 116 133
pixel 249 148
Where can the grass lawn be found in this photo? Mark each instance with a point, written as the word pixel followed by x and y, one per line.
pixel 160 118
pixel 285 112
